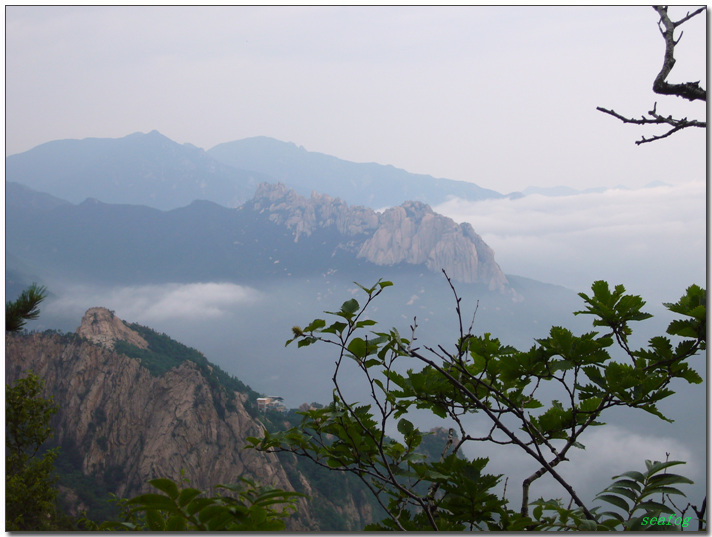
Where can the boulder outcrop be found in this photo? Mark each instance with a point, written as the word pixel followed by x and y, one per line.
pixel 101 326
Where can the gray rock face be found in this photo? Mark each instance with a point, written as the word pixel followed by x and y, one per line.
pixel 304 216
pixel 411 233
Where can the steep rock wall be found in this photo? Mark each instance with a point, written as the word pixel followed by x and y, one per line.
pixel 121 419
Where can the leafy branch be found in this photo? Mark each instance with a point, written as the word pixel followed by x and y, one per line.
pixel 479 375
pixel 245 506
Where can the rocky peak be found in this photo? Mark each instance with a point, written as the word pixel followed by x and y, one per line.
pixel 411 233
pixel 303 216
pixel 101 326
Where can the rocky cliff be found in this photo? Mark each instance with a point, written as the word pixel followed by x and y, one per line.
pixel 411 233
pixel 101 326
pixel 124 426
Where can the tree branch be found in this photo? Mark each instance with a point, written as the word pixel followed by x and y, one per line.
pixel 692 91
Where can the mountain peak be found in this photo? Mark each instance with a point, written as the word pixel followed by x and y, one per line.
pixel 101 326
pixel 411 233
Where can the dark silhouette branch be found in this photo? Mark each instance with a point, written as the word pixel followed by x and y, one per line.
pixel 689 90
pixel 692 91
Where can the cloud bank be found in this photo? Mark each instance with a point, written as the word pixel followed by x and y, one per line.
pixel 157 303
pixel 652 240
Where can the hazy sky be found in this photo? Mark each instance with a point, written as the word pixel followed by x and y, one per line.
pixel 502 96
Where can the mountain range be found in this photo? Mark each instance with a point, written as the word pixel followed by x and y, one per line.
pixel 299 254
pixel 276 233
pixel 227 250
pixel 152 170
pixel 213 249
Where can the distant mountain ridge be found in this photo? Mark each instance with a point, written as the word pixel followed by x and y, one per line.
pixel 370 184
pixel 152 170
pixel 141 169
pixel 277 233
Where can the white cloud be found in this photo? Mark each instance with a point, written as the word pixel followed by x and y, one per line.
pixel 617 450
pixel 652 240
pixel 610 451
pixel 156 303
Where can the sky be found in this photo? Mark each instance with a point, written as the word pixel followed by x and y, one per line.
pixel 504 97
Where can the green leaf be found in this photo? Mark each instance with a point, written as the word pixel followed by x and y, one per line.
pixel 176 523
pixel 306 341
pixel 358 347
pixel 614 500
pixel 211 511
pixel 350 306
pixel 219 519
pixel 198 504
pixel 668 479
pixel 167 486
pixel 315 325
pixel 154 520
pixel 405 427
pixel 335 328
pixel 656 506
pixel 622 491
pixel 187 495
pixel 588 525
pixel 637 476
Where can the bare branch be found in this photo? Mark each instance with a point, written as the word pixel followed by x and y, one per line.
pixel 692 91
pixel 656 119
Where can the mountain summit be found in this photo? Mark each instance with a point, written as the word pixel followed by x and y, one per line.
pixel 411 233
pixel 101 326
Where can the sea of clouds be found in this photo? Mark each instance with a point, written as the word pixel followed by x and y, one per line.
pixel 652 240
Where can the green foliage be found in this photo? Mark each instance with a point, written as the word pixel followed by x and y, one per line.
pixel 338 489
pixel 24 308
pixel 30 489
pixel 694 305
pixel 480 375
pixel 243 507
pixel 632 494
